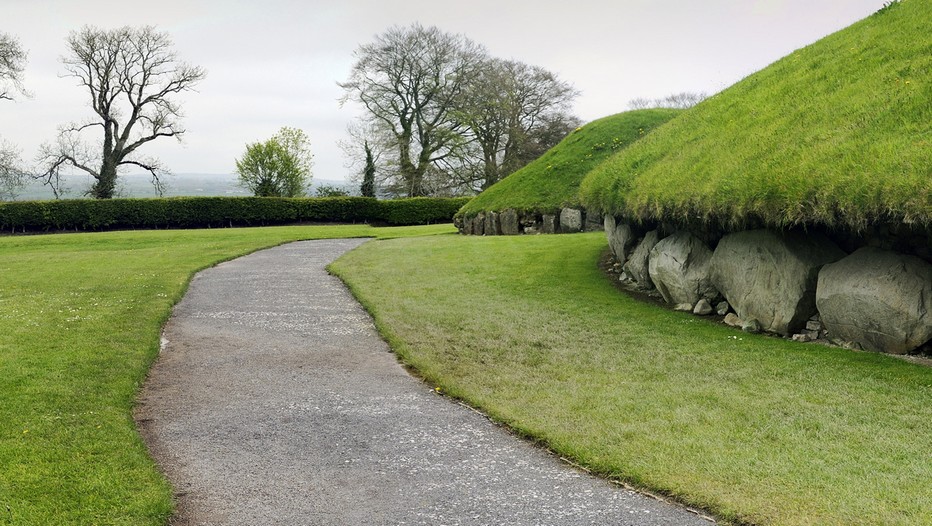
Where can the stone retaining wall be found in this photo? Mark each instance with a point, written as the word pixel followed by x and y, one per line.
pixel 871 291
pixel 512 223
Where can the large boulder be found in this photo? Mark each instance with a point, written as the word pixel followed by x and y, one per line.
pixel 878 299
pixel 771 277
pixel 637 264
pixel 508 220
pixel 571 220
pixel 620 237
pixel 679 268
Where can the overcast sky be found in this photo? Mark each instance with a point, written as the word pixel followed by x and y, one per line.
pixel 274 63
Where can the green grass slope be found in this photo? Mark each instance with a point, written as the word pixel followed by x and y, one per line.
pixel 757 430
pixel 837 133
pixel 552 181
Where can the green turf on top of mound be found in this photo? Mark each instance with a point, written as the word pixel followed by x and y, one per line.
pixel 837 133
pixel 552 181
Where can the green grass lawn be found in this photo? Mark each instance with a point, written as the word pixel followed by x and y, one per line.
pixel 551 181
pixel 80 316
pixel 753 428
pixel 837 133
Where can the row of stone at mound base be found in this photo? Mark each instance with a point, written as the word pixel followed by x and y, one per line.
pixel 510 222
pixel 788 283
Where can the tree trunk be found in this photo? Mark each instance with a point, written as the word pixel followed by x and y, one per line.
pixel 106 181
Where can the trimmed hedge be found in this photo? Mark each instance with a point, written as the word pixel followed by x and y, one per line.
pixel 205 212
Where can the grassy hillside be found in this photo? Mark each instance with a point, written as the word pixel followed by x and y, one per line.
pixel 839 133
pixel 552 181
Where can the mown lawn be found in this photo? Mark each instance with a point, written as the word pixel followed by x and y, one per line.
pixel 80 316
pixel 755 429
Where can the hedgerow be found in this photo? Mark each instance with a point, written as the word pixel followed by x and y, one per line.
pixel 207 212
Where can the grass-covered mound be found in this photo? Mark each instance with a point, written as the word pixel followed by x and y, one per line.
pixel 552 181
pixel 837 133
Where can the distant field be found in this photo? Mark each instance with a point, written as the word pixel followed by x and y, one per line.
pixel 188 184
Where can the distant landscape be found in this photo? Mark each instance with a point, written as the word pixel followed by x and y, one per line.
pixel 186 184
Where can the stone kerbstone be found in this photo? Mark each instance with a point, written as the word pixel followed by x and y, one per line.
pixel 637 264
pixel 878 299
pixel 492 226
pixel 771 277
pixel 679 268
pixel 593 222
pixel 467 226
pixel 571 220
pixel 478 225
pixel 549 224
pixel 621 238
pixel 509 222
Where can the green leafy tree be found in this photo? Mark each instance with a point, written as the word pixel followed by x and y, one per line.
pixel 278 167
pixel 367 189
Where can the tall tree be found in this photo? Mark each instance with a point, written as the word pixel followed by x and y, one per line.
pixel 409 81
pixel 367 188
pixel 12 65
pixel 506 107
pixel 12 176
pixel 132 77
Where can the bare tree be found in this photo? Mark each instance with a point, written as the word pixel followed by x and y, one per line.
pixel 132 76
pixel 12 176
pixel 12 64
pixel 504 108
pixel 409 81
pixel 682 100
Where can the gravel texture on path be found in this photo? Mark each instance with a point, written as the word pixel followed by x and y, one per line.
pixel 275 401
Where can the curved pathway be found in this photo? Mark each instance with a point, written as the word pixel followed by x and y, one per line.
pixel 275 401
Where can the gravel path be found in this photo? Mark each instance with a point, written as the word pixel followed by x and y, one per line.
pixel 274 401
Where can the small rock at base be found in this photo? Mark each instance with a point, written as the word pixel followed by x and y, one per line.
pixel 702 308
pixel 733 320
pixel 813 325
pixel 802 338
pixel 722 308
pixel 683 307
pixel 752 326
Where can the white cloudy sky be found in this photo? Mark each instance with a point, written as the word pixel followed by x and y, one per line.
pixel 273 63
